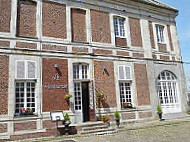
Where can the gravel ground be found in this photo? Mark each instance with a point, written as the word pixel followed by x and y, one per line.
pixel 168 133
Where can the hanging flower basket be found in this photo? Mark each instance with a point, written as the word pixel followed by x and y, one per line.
pixel 68 97
pixel 100 95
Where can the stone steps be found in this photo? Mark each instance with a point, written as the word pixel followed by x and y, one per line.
pixel 96 128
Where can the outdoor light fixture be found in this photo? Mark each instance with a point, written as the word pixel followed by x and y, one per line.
pixel 105 68
pixel 55 65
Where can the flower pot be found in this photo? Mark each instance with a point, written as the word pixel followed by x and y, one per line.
pixel 117 122
pixel 67 123
pixel 160 116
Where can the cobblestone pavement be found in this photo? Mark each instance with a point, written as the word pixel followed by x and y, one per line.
pixel 167 133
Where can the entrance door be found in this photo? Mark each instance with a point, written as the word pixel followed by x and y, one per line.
pixel 85 101
pixel 81 101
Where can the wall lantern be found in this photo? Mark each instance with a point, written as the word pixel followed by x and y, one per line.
pixel 55 66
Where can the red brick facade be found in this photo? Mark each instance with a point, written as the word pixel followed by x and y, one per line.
pixel 162 57
pixel 135 30
pixel 100 24
pixel 105 82
pixel 151 34
pixel 121 42
pixel 4 43
pixel 142 85
pixel 3 128
pixel 53 98
pixel 80 50
pixel 129 115
pixel 162 47
pixel 54 20
pixel 102 51
pixel 5 15
pixel 122 53
pixel 26 21
pixel 26 45
pixel 21 126
pixel 4 81
pixel 145 114
pixel 170 38
pixel 78 25
pixel 52 47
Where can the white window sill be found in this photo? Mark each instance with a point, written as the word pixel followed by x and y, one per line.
pixel 121 37
pixel 161 43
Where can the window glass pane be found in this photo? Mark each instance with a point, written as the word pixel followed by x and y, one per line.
pixel 121 72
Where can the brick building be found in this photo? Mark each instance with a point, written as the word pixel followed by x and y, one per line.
pixel 128 50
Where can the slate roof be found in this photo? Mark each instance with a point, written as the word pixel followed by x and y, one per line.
pixel 160 4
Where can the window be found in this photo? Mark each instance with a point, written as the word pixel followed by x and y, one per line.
pixel 25 95
pixel 160 33
pixel 25 86
pixel 119 27
pixel 78 95
pixel 167 88
pixel 80 71
pixel 125 84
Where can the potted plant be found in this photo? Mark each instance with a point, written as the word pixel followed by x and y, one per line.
pixel 117 118
pixel 159 112
pixel 106 119
pixel 67 123
pixel 26 112
pixel 100 95
pixel 68 97
pixel 127 105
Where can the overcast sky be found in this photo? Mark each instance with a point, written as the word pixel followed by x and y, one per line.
pixel 183 26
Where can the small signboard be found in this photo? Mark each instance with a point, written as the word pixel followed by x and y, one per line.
pixel 57 116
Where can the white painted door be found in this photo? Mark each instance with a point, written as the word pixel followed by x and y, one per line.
pixel 78 102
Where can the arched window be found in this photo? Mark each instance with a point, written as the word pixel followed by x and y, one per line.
pixel 167 88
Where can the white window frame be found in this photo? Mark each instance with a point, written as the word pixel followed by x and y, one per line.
pixel 123 34
pixel 125 78
pixel 161 89
pixel 26 69
pixel 26 80
pixel 160 33
pixel 81 71
pixel 25 95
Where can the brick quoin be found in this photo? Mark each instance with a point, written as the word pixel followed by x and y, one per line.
pixel 4 82
pixel 26 18
pixel 105 82
pixel 142 85
pixel 53 99
pixel 100 24
pixel 54 20
pixel 5 15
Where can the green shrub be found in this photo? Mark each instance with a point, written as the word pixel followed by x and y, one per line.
pixel 159 109
pixel 117 115
pixel 66 116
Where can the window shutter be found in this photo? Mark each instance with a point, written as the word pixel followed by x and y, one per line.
pixel 127 72
pixel 121 72
pixel 20 69
pixel 31 69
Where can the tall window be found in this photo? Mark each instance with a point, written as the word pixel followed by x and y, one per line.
pixel 25 86
pixel 125 84
pixel 160 33
pixel 167 88
pixel 119 27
